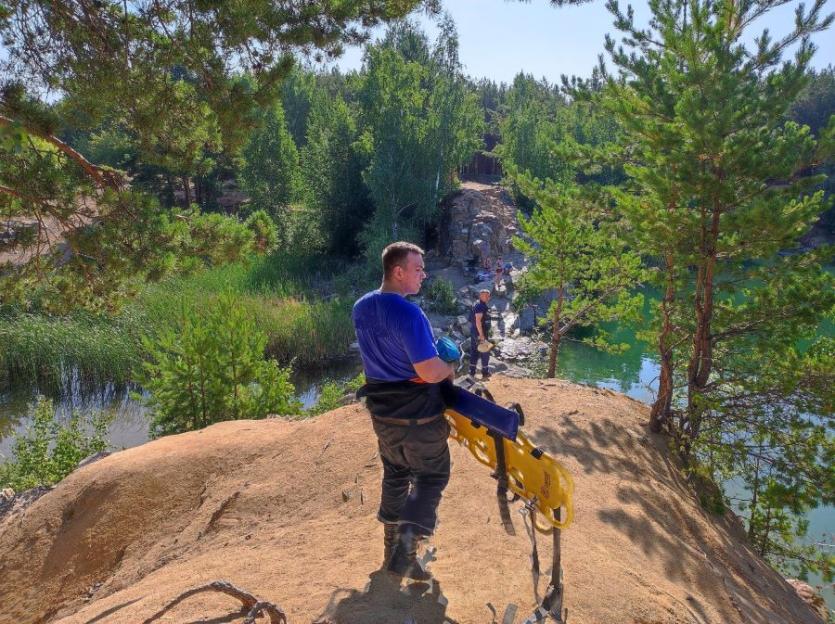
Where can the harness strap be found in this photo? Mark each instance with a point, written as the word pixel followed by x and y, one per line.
pixel 501 488
pixel 552 601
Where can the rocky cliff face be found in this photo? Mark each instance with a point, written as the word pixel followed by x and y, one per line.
pixel 477 225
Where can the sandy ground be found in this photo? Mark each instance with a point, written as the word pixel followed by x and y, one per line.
pixel 286 511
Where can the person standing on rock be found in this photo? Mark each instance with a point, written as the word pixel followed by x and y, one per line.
pixel 479 331
pixel 499 275
pixel 402 391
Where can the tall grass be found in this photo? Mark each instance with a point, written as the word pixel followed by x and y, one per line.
pixel 303 326
pixel 44 351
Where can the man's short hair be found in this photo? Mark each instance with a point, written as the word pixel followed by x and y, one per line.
pixel 396 255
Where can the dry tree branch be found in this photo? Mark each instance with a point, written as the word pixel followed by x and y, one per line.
pixel 255 606
pixel 101 177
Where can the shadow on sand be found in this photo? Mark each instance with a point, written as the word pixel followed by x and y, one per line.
pixel 384 600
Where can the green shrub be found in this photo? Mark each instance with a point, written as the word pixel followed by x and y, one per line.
pixel 440 296
pixel 355 384
pixel 49 450
pixel 212 368
pixel 278 291
pixel 330 397
pixel 332 393
pixel 264 231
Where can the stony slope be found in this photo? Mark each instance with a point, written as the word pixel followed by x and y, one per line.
pixel 286 511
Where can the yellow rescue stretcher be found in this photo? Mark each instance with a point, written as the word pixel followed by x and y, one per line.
pixel 492 435
pixel 480 425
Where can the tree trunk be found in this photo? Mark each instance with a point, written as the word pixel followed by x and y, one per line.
pixel 555 335
pixel 102 178
pixel 660 412
pixel 169 191
pixel 664 401
pixel 701 358
pixel 187 190
pixel 198 192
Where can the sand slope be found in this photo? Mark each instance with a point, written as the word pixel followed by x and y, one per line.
pixel 286 511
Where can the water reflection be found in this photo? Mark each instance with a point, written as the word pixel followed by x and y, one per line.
pixel 129 426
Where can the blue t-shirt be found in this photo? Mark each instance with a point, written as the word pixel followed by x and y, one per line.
pixel 393 333
pixel 480 308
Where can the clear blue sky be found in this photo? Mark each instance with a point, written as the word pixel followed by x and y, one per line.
pixel 499 38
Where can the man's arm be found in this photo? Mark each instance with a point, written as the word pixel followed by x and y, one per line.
pixel 434 370
pixel 478 326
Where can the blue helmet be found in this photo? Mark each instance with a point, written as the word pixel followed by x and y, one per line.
pixel 448 351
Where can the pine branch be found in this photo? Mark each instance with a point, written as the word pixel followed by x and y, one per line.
pixel 103 178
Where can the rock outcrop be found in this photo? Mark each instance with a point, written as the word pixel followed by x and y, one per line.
pixel 286 511
pixel 477 225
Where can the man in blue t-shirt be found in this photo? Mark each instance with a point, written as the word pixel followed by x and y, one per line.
pixel 479 332
pixel 402 390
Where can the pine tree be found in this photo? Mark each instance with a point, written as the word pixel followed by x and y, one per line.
pixel 269 169
pixel 213 369
pixel 717 201
pixel 170 75
pixel 576 249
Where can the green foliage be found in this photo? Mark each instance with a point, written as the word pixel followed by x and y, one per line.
pixel 815 107
pixel 264 231
pixel 109 146
pixel 170 94
pixel 332 394
pixel 420 122
pixel 440 296
pixel 297 94
pixel 50 449
pixel 356 383
pixel 330 397
pixel 134 241
pixel 529 129
pixel 715 194
pixel 576 249
pixel 213 369
pixel 110 59
pixel 276 292
pixel 545 137
pixel 43 351
pixel 332 165
pixel 815 104
pixel 269 168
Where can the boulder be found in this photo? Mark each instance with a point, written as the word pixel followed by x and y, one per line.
pixel 810 596
pixel 477 226
pixel 527 320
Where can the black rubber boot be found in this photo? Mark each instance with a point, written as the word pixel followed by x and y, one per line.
pixel 391 534
pixel 404 558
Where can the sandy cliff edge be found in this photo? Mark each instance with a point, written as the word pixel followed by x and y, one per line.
pixel 286 510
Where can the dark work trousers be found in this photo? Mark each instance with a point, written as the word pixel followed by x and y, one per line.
pixel 474 355
pixel 415 472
